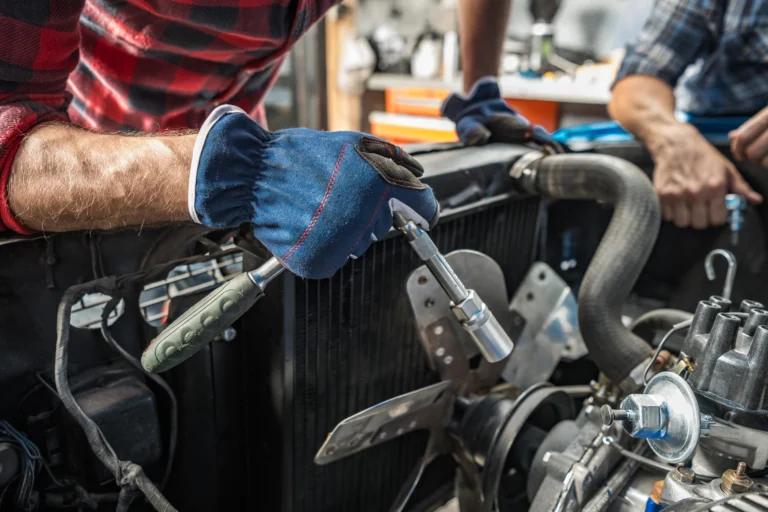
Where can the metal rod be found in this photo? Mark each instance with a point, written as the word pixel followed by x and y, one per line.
pixel 639 458
pixel 675 328
pixel 730 276
pixel 435 262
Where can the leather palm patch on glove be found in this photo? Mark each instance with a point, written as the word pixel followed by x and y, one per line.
pixel 394 165
pixel 314 199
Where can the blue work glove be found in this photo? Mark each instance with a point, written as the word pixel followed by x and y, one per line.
pixel 483 116
pixel 314 199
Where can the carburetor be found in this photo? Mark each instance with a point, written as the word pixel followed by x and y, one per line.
pixel 718 415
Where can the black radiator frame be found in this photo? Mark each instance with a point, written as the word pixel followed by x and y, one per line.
pixel 484 169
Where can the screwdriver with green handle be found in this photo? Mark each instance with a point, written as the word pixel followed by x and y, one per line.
pixel 207 319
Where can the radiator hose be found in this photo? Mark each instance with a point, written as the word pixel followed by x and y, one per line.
pixel 621 255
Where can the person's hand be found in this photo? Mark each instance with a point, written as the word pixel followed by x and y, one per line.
pixel 749 142
pixel 692 178
pixel 483 116
pixel 314 198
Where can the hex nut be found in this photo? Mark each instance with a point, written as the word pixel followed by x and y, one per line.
pixel 735 484
pixel 648 416
pixel 684 475
pixel 470 309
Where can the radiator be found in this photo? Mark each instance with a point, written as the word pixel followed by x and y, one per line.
pixel 253 412
pixel 350 342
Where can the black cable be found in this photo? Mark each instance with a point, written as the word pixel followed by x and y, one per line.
pixel 31 462
pixel 124 499
pixel 126 473
pixel 5 491
pixel 110 339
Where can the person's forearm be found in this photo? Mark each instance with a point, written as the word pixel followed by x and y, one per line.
pixel 65 178
pixel 645 107
pixel 482 30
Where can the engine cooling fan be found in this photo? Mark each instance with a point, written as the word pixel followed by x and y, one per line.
pixel 488 428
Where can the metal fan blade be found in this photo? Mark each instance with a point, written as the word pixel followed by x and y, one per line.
pixel 423 409
pixel 414 476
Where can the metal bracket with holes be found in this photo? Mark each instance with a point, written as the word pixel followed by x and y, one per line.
pixel 550 330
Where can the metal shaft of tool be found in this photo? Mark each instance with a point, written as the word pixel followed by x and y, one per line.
pixel 473 315
pixel 263 275
pixel 435 262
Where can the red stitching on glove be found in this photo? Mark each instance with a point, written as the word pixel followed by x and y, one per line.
pixel 319 210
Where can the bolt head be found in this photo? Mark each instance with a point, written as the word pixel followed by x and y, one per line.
pixel 684 475
pixel 648 416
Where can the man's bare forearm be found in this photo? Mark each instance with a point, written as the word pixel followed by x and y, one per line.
pixel 645 107
pixel 65 178
pixel 482 29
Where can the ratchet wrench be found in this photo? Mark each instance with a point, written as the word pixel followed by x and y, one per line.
pixel 207 319
pixel 204 321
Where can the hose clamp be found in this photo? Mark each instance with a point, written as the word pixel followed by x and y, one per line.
pixel 524 173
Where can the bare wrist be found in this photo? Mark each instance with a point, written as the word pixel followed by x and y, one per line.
pixel 662 136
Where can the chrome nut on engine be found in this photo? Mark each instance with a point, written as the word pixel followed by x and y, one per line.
pixel 471 311
pixel 647 416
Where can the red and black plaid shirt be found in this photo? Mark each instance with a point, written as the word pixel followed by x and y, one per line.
pixel 147 65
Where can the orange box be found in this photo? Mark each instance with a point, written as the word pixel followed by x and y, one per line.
pixel 415 101
pixel 543 113
pixel 405 129
pixel 426 101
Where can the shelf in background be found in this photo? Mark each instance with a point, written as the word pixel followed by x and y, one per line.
pixel 512 87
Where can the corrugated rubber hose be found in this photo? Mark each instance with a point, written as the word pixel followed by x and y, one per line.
pixel 621 255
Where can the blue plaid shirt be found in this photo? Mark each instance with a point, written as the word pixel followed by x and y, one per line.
pixel 725 43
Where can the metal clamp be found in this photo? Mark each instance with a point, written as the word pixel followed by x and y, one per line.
pixel 522 172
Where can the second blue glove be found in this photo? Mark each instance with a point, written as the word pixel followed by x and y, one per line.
pixel 314 198
pixel 483 116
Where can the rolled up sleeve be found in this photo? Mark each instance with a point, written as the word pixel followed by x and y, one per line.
pixel 38 50
pixel 674 36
